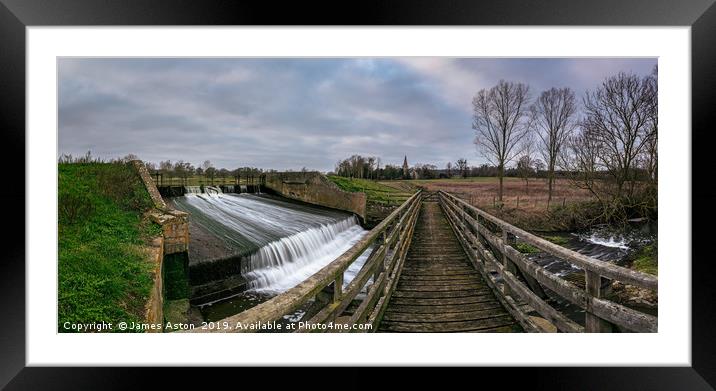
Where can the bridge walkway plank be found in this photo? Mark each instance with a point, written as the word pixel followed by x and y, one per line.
pixel 438 289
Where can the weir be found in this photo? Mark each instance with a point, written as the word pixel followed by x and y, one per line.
pixel 270 243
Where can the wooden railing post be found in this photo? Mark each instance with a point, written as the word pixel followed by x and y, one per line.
pixel 380 264
pixel 593 323
pixel 324 297
pixel 477 226
pixel 338 287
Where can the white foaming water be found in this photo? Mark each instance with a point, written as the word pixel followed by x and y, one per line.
pixel 212 190
pixel 611 241
pixel 284 263
pixel 292 241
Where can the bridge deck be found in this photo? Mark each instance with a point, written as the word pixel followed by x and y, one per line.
pixel 438 289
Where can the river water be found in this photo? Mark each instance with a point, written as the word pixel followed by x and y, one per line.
pixel 608 244
pixel 604 243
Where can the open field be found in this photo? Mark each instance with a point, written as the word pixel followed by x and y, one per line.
pixel 482 192
pixel 523 206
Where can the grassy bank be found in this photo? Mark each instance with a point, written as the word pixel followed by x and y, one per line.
pixel 381 197
pixel 104 272
pixel 376 192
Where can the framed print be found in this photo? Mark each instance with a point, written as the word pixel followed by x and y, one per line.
pixel 458 184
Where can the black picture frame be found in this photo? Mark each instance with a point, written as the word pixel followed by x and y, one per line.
pixel 16 15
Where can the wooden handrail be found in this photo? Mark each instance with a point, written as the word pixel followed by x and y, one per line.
pixel 642 280
pixel 599 312
pixel 396 230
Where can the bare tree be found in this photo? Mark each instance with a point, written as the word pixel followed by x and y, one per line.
pixel 129 157
pixel 501 121
pixel 448 167
pixel 166 167
pixel 553 119
pixel 211 173
pixel 618 117
pixel 525 163
pixel 539 166
pixel 461 165
pixel 582 161
pixel 370 164
pixel 209 170
pixel 651 147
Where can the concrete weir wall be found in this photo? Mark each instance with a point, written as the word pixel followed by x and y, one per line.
pixel 174 240
pixel 315 188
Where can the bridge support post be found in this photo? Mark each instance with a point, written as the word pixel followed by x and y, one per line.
pixel 593 323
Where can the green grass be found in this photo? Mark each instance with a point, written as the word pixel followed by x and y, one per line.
pixel 375 192
pixel 104 273
pixel 526 248
pixel 646 260
pixel 560 240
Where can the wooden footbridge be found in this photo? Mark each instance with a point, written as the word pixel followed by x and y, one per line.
pixel 438 264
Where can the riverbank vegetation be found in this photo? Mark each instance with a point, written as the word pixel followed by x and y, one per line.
pixel 376 192
pixel 105 274
pixel 645 259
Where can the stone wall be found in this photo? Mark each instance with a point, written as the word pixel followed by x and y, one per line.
pixel 154 308
pixel 174 223
pixel 173 241
pixel 315 188
pixel 149 184
pixel 175 229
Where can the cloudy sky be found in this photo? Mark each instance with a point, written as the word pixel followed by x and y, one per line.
pixel 290 113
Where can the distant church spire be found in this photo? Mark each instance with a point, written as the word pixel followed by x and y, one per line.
pixel 405 167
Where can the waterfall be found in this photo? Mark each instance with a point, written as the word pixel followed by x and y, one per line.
pixel 282 242
pixel 229 188
pixel 192 189
pixel 284 263
pixel 243 188
pixel 212 190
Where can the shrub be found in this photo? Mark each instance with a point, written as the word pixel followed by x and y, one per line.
pixel 73 207
pixel 122 184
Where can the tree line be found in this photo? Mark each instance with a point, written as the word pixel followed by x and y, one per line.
pixel 605 142
pixel 609 148
pixel 185 170
pixel 178 169
pixel 535 168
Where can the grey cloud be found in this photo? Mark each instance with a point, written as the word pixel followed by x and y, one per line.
pixel 290 113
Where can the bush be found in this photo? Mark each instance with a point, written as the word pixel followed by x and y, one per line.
pixel 73 207
pixel 122 184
